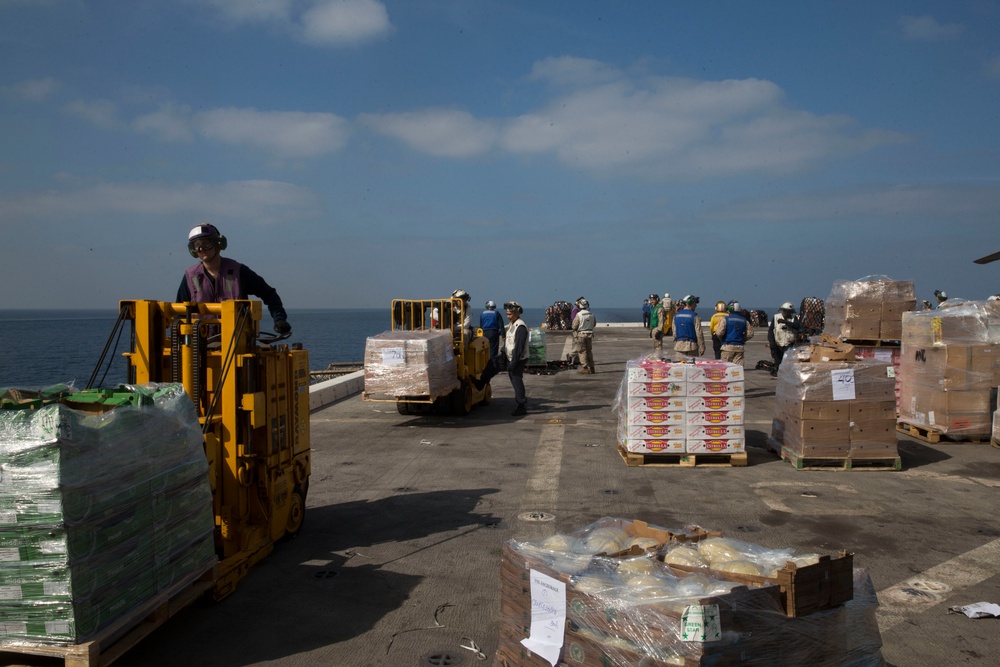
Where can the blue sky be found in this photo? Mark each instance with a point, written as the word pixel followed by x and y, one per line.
pixel 355 151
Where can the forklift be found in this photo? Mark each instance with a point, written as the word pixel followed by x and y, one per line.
pixel 471 349
pixel 252 399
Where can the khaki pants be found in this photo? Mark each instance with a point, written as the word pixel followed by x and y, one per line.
pixel 735 356
pixel 657 339
pixel 585 347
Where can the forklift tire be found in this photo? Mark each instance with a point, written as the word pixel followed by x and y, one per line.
pixel 462 399
pixel 297 511
pixel 403 407
pixel 487 395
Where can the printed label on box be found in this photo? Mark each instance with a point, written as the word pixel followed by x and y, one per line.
pixel 655 389
pixel 715 388
pixel 713 403
pixel 714 417
pixel 715 371
pixel 655 417
pixel 701 623
pixel 716 446
pixel 656 403
pixel 715 431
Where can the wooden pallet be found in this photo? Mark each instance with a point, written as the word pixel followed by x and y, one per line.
pixel 935 437
pixel 682 460
pixel 840 462
pixel 115 640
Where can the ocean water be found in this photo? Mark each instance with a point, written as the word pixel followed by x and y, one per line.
pixel 39 348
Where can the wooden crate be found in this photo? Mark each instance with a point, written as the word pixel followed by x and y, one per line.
pixel 804 590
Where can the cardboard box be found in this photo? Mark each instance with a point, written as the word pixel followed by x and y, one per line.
pixel 817 430
pixel 410 363
pixel 657 371
pixel 713 403
pixel 890 330
pixel 948 366
pixel 861 329
pixel 714 431
pixel 655 446
pixel 714 417
pixel 716 446
pixel 715 371
pixel 892 311
pixel 654 417
pixel 816 410
pixel 954 412
pixel 939 327
pixel 872 410
pixel 829 350
pixel 659 431
pixel 863 309
pixel 817 450
pixel 656 389
pixel 872 432
pixel 656 403
pixel 715 388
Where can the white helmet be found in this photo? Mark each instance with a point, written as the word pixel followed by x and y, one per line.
pixel 460 294
pixel 583 304
pixel 491 305
pixel 666 295
pixel 787 306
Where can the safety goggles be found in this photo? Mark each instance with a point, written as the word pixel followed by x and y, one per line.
pixel 202 246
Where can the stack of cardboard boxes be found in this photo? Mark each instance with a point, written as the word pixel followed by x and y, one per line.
pixel 868 309
pixel 830 406
pixel 948 370
pixel 676 408
pixel 410 363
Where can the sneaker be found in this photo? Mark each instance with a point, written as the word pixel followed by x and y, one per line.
pixel 520 410
pixel 586 371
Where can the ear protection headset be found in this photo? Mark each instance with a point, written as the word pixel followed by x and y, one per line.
pixel 206 231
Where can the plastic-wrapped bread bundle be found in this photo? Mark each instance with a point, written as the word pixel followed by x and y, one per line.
pixel 102 505
pixel 635 609
pixel 410 363
pixel 868 309
pixel 947 369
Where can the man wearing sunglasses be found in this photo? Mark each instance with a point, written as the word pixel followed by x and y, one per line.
pixel 216 278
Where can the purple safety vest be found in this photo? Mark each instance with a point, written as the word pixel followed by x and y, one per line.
pixel 227 285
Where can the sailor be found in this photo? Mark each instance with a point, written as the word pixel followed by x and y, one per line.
pixel 734 331
pixel 216 278
pixel 491 322
pixel 656 323
pixel 514 358
pixel 466 325
pixel 583 329
pixel 689 339
pixel 717 316
pixel 940 296
pixel 782 333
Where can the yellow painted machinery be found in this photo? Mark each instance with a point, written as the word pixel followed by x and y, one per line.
pixel 471 349
pixel 252 397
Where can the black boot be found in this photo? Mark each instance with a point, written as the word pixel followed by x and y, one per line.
pixel 520 410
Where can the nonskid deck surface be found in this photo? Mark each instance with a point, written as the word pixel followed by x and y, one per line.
pixel 399 560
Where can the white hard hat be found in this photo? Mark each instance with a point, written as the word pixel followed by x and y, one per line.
pixel 666 295
pixel 787 306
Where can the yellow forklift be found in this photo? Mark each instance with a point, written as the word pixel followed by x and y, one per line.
pixel 252 398
pixel 471 349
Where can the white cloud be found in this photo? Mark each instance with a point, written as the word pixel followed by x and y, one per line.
pixel 664 127
pixel 345 22
pixel 283 134
pixel 257 201
pixel 442 132
pixel 31 90
pixel 100 113
pixel 928 29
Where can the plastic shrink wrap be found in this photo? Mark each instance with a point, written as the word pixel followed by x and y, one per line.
pixel 868 309
pixel 948 368
pixel 410 363
pixel 835 409
pixel 536 346
pixel 635 610
pixel 102 506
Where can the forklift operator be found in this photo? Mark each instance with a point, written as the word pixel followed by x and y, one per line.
pixel 215 278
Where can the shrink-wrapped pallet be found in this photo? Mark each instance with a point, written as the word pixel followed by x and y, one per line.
pixel 536 346
pixel 684 407
pixel 835 409
pixel 410 363
pixel 868 309
pixel 612 601
pixel 102 506
pixel 947 369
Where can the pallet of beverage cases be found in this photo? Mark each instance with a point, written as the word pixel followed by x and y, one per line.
pixel 115 640
pixel 800 462
pixel 682 460
pixel 934 436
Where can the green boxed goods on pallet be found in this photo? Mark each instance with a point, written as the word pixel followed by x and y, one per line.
pixel 104 502
pixel 536 346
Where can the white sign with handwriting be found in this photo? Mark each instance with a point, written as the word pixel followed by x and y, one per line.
pixel 393 356
pixel 843 384
pixel 548 616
